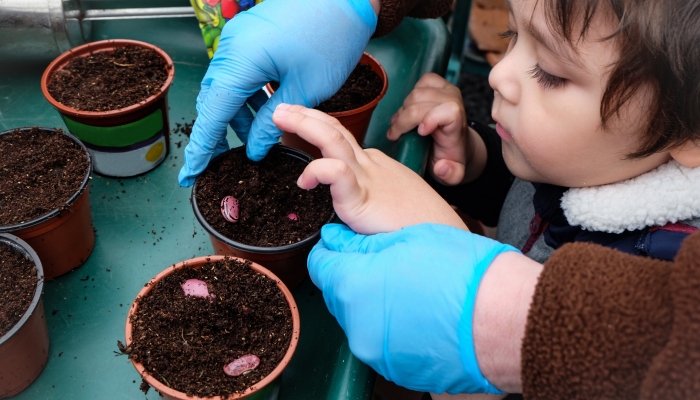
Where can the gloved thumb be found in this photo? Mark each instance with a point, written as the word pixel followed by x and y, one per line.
pixel 264 133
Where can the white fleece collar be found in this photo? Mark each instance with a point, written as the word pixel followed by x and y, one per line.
pixel 669 193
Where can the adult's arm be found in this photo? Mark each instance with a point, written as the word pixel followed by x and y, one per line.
pixel 607 325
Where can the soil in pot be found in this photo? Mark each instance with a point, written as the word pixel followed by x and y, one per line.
pixel 18 280
pixel 40 171
pixel 273 210
pixel 185 341
pixel 105 81
pixel 362 86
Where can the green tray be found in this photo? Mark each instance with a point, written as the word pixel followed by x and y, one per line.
pixel 86 308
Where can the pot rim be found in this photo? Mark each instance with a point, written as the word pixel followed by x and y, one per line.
pixel 104 45
pixel 22 246
pixel 290 151
pixel 57 211
pixel 385 80
pixel 194 262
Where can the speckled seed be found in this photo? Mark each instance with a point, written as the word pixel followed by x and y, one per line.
pixel 293 217
pixel 196 288
pixel 229 208
pixel 241 365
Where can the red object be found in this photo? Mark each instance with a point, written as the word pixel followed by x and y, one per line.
pixel 229 8
pixel 212 3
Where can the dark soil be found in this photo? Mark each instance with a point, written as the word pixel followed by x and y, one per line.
pixel 18 282
pixel 185 341
pixel 363 86
pixel 267 192
pixel 40 171
pixel 105 81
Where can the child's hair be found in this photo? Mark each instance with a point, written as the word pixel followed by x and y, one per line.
pixel 659 44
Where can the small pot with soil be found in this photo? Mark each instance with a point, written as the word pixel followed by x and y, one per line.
pixel 44 195
pixel 352 105
pixel 255 210
pixel 24 336
pixel 113 95
pixel 214 327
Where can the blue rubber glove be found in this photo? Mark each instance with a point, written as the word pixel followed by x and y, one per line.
pixel 405 301
pixel 309 46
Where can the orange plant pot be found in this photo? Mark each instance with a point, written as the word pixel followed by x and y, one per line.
pixel 268 387
pixel 63 238
pixel 288 262
pixel 24 350
pixel 356 121
pixel 126 142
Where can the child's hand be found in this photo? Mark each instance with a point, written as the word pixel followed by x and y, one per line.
pixel 435 106
pixel 372 193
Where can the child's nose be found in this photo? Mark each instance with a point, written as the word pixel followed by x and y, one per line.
pixel 503 78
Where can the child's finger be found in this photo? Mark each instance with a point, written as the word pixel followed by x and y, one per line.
pixel 319 129
pixel 407 119
pixel 433 80
pixel 449 116
pixel 328 171
pixel 448 172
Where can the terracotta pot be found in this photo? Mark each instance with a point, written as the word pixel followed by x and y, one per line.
pixel 65 237
pixel 356 121
pixel 126 142
pixel 289 261
pixel 268 387
pixel 24 350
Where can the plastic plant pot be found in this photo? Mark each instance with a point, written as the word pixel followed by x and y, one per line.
pixel 356 120
pixel 24 350
pixel 288 261
pixel 126 142
pixel 268 387
pixel 63 238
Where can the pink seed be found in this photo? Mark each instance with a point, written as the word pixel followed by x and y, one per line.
pixel 229 208
pixel 293 217
pixel 242 365
pixel 196 288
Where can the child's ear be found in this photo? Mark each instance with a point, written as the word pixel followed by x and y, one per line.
pixel 688 154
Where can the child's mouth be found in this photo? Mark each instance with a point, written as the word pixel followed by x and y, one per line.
pixel 503 133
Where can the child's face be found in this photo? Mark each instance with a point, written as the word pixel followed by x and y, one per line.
pixel 547 105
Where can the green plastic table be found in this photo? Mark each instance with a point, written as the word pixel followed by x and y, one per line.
pixel 86 308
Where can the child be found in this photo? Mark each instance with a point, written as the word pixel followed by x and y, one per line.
pixel 596 105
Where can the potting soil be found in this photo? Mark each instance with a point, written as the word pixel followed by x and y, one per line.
pixel 40 171
pixel 362 86
pixel 267 194
pixel 18 282
pixel 105 81
pixel 185 341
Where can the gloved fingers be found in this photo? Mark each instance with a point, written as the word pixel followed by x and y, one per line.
pixel 221 147
pixel 196 160
pixel 242 122
pixel 321 130
pixel 448 172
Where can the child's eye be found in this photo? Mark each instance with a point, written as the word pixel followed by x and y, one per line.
pixel 509 34
pixel 548 81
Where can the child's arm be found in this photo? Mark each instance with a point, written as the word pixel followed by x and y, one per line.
pixel 435 106
pixel 372 193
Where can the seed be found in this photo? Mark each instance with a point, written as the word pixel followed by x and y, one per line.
pixel 229 208
pixel 242 365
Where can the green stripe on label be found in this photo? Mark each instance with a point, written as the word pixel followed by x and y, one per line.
pixel 117 136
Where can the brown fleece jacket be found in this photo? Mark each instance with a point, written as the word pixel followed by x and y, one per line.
pixel 393 12
pixel 608 325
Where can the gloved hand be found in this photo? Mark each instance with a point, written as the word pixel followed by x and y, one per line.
pixel 309 46
pixel 405 301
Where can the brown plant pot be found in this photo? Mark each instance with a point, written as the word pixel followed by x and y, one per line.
pixel 24 350
pixel 268 387
pixel 65 237
pixel 288 262
pixel 126 142
pixel 356 121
